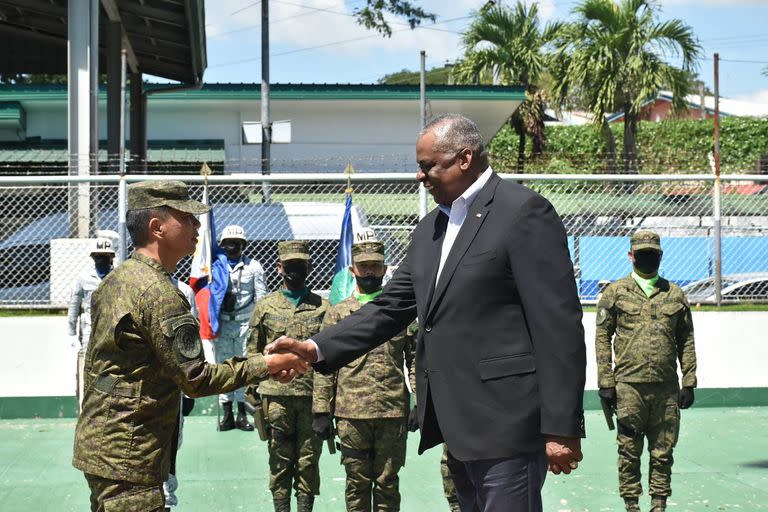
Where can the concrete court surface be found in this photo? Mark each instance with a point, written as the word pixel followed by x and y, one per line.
pixel 721 463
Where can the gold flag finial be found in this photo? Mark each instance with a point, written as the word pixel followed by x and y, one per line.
pixel 348 172
pixel 205 171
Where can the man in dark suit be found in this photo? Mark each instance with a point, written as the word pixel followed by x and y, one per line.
pixel 501 356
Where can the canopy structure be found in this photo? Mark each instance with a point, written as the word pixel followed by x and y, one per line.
pixel 165 38
pixel 80 38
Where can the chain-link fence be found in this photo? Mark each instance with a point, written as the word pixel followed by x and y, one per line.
pixel 46 220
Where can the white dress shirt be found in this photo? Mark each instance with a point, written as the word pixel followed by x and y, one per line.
pixel 457 213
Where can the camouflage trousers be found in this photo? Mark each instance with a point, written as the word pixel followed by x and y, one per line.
pixel 120 496
pixel 372 451
pixel 449 489
pixel 646 411
pixel 294 449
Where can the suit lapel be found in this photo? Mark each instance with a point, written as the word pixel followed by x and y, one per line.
pixel 433 255
pixel 476 215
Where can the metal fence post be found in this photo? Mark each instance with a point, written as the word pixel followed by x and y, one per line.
pixel 718 239
pixel 422 201
pixel 122 207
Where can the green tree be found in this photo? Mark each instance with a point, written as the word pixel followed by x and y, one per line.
pixel 372 15
pixel 612 56
pixel 434 76
pixel 508 45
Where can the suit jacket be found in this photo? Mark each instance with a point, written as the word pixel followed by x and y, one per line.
pixel 500 355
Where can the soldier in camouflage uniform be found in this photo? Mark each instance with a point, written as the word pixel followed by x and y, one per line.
pixel 294 450
pixel 369 398
pixel 449 489
pixel 651 321
pixel 145 348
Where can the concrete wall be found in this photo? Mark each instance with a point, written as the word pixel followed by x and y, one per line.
pixel 731 349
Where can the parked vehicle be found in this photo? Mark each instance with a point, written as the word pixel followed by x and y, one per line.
pixel 735 287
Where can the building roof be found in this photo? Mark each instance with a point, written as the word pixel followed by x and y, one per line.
pixel 165 39
pixel 728 106
pixel 55 92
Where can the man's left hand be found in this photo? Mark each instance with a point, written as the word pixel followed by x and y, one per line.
pixel 563 453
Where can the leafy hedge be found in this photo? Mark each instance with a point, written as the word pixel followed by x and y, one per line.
pixel 670 146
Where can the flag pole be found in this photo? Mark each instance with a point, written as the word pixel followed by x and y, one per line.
pixel 205 171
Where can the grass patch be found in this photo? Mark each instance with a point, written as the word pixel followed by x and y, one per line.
pixel 33 312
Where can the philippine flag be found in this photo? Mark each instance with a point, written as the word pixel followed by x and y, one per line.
pixel 209 277
pixel 343 281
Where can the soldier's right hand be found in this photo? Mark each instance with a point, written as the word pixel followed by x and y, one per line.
pixel 609 395
pixel 413 420
pixel 322 425
pixel 283 344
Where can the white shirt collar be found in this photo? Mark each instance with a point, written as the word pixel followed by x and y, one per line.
pixel 470 194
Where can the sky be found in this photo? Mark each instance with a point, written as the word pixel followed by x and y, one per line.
pixel 318 41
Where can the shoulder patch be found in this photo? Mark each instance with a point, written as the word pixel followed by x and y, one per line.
pixel 185 335
pixel 187 341
pixel 602 315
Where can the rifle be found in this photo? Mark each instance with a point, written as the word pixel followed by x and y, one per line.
pixel 608 411
pixel 331 440
pixel 255 407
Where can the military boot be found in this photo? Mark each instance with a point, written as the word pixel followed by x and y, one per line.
pixel 282 504
pixel 242 422
pixel 304 503
pixel 228 422
pixel 658 503
pixel 631 505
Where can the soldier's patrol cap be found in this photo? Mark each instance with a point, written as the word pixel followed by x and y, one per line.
pixel 644 240
pixel 368 251
pixel 153 194
pixel 293 250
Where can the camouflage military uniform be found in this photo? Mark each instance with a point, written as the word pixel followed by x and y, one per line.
pixel 449 489
pixel 145 347
pixel 294 450
pixel 370 400
pixel 649 335
pixel 371 407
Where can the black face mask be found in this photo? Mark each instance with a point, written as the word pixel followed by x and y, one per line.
pixel 233 249
pixel 103 264
pixel 647 262
pixel 369 284
pixel 295 275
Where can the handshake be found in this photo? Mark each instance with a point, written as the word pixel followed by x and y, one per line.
pixel 286 358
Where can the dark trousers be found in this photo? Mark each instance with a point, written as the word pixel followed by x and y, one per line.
pixel 500 485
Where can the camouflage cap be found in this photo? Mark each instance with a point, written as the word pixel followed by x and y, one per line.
pixel 645 239
pixel 368 251
pixel 293 250
pixel 153 194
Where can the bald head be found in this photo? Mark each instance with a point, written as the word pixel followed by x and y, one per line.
pixel 455 132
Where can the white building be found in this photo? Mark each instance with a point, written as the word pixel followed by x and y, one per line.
pixel 372 126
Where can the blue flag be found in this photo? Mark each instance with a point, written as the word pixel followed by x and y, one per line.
pixel 343 281
pixel 219 280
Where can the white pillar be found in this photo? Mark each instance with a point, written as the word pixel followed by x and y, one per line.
pixel 78 110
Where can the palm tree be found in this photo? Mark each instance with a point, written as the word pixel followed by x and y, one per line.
pixel 507 45
pixel 612 57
